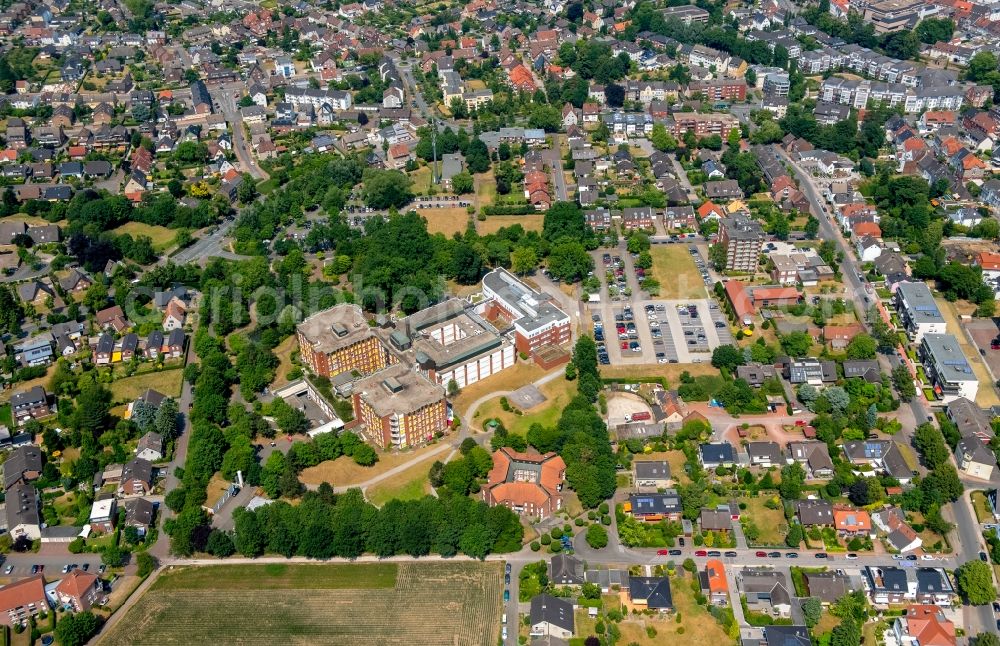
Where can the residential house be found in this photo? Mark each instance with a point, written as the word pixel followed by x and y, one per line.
pixel 862 369
pixel 650 593
pixel 105 350
pixel 137 478
pixel 139 513
pixel 150 447
pixel 814 457
pixel 765 454
pixel 719 454
pixel 849 521
pixel 175 344
pixel 881 455
pixel 923 625
pixel 899 535
pixel 112 317
pixel 714 583
pixel 551 617
pixel 815 513
pixel 79 590
pixel 174 316
pixel 827 586
pixel 566 569
pixel 30 404
pixel 22 510
pixel 766 590
pixel 103 514
pixel 23 465
pixel 975 458
pixel 716 520
pixel 651 473
pixel 894 585
pixel 654 507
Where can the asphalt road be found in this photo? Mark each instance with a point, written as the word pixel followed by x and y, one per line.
pixel 223 96
pixel 207 246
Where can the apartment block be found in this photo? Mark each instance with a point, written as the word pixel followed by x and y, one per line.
pixel 918 312
pixel 339 340
pixel 948 368
pixel 743 240
pixel 400 407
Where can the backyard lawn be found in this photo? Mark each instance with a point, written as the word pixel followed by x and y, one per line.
pixel 167 382
pixel 770 522
pixel 982 507
pixel 674 267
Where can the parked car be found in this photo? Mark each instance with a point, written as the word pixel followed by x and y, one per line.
pixel 506 595
pixel 774 555
pixel 714 553
pixel 852 556
pixel 701 553
pixel 822 555
pixel 662 552
pixel 761 554
pixel 730 555
pixel 792 555
pixel 675 552
pixel 8 569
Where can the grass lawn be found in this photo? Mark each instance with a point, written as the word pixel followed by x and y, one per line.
pixel 827 622
pixel 494 223
pixel 411 484
pixel 669 371
pixel 167 382
pixel 421 180
pixel 523 372
pixel 985 397
pixel 982 507
pixel 770 522
pixel 676 460
pixel 216 488
pixel 446 604
pixel 5 416
pixel 284 352
pixel 267 186
pixel 162 237
pixel 558 393
pixel 447 221
pixel 344 472
pixel 674 267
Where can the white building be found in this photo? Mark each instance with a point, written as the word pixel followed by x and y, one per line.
pixel 948 368
pixel 918 312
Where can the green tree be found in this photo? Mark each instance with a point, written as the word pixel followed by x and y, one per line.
pixel 462 183
pixel 76 629
pixel 796 344
pixel 523 260
pixel 903 382
pixel 985 639
pixel 975 582
pixel 92 407
pixel 862 346
pixel 929 441
pixel 728 357
pixel 812 609
pixel 794 536
pixel 661 139
pixel 846 633
pixel 384 189
pixel 597 536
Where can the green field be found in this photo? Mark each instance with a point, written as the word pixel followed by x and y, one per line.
pixel 433 603
pixel 162 238
pixel 167 382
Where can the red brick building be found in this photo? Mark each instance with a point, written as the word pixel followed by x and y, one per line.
pixel 526 483
pixel 340 340
pixel 536 321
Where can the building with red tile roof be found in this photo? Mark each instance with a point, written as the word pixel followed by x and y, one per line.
pixel 849 520
pixel 22 599
pixel 79 590
pixel 714 582
pixel 526 483
pixel 924 625
pixel 862 229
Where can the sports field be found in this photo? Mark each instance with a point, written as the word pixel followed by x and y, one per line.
pixel 433 603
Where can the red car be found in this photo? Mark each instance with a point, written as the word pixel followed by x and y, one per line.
pixel 701 553
pixel 761 554
pixel 662 552
pixel 624 345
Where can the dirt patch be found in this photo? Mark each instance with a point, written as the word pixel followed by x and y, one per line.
pixel 494 223
pixel 343 471
pixel 448 221
pixel 622 405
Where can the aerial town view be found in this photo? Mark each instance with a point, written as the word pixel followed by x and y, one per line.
pixel 500 322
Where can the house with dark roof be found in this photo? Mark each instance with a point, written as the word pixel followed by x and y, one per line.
pixel 718 454
pixel 654 507
pixel 815 513
pixel 786 636
pixel 827 586
pixel 137 478
pixel 566 569
pixel 765 454
pixel 715 520
pixel 23 465
pixel 651 593
pixel 882 455
pixel 30 404
pixel 814 456
pixel 551 616
pixel 651 473
pixel 22 510
pixel 139 513
pixel 766 590
pixel 862 369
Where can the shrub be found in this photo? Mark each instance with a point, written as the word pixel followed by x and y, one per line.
pixel 535 546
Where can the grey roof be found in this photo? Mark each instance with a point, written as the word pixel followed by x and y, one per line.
pixel 787 636
pixel 969 417
pixel 138 511
pixel 950 363
pixel 552 610
pixel 827 586
pixel 815 512
pixel 861 368
pixel 22 506
pixel 152 441
pixel 976 450
pixel 769 450
pixel 651 469
pixel 138 469
pixel 654 589
pixel 176 337
pixel 20 461
pixel 31 397
pixel 919 303
pixel 534 307
pixel 714 519
pixel 566 570
pixel 933 581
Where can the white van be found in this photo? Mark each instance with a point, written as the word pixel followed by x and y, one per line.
pixel 504 618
